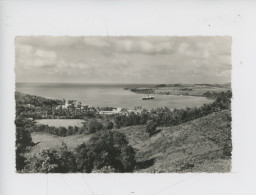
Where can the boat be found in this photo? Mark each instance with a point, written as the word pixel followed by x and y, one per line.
pixel 148 97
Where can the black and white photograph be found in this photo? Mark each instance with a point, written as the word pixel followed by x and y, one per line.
pixel 123 104
pixel 118 97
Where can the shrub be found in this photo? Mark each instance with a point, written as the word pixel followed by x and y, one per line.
pixel 94 125
pixel 106 169
pixel 106 148
pixel 151 127
pixel 62 131
pixel 23 138
pixel 108 125
pixel 67 160
pixel 52 161
pixel 48 161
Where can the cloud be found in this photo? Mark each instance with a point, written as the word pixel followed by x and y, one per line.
pixel 24 49
pixel 28 57
pixel 45 54
pixel 123 59
pixel 148 45
pixel 95 42
pixel 47 41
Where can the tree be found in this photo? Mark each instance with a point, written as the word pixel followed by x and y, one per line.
pixel 151 127
pixel 67 160
pixel 23 138
pixel 20 161
pixel 106 169
pixel 71 130
pixel 62 131
pixel 47 161
pixel 94 125
pixel 108 125
pixel 83 160
pixel 106 148
pixel 79 105
pixel 52 161
pixel 118 121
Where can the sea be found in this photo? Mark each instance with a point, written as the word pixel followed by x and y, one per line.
pixel 111 95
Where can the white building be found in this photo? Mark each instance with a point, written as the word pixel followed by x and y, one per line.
pixel 114 111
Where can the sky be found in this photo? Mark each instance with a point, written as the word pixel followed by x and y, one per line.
pixel 64 59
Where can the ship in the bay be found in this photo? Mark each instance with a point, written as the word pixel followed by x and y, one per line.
pixel 148 97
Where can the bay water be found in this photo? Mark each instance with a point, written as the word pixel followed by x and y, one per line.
pixel 112 95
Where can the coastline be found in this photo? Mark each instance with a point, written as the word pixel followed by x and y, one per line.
pixel 113 96
pixel 193 90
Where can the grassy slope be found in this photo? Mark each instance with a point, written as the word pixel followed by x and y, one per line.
pixel 46 141
pixel 194 146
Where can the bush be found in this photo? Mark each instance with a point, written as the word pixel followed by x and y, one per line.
pixel 20 161
pixel 151 127
pixel 94 125
pixel 108 125
pixel 106 148
pixel 52 161
pixel 23 138
pixel 62 131
pixel 48 161
pixel 67 160
pixel 106 169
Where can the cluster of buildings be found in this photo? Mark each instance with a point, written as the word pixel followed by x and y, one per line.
pixel 74 105
pixel 119 111
pixel 114 111
pixel 78 106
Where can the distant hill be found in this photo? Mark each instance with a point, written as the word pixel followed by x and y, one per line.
pixel 201 145
pixel 182 89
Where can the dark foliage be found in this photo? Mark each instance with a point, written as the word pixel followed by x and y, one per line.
pixel 51 161
pixel 106 148
pixel 23 141
pixel 60 131
pixel 93 125
pixel 108 125
pixel 143 91
pixel 145 164
pixel 167 117
pixel 151 127
pixel 106 151
pixel 161 85
pixel 37 107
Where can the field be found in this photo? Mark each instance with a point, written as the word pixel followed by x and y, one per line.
pixel 61 122
pixel 46 141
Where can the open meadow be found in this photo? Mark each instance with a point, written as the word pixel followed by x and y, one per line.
pixel 61 122
pixel 48 141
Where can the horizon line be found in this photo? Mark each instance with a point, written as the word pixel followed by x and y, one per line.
pixel 121 83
